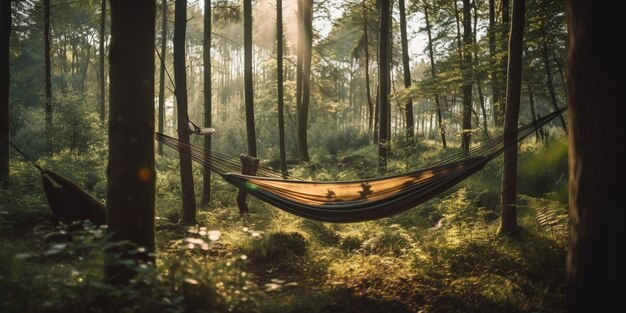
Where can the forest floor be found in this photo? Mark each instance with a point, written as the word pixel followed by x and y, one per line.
pixel 442 256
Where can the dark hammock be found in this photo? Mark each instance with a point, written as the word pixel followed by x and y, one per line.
pixel 68 201
pixel 355 201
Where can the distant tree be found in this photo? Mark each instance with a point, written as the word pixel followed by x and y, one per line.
pixel 5 42
pixel 48 87
pixel 180 80
pixel 280 87
pixel 131 174
pixel 410 124
pixel 433 73
pixel 504 61
pixel 508 206
pixel 550 80
pixel 206 57
pixel 101 73
pixel 305 38
pixel 248 77
pixel 161 112
pixel 384 40
pixel 597 106
pixel 467 80
pixel 368 90
pixel 498 111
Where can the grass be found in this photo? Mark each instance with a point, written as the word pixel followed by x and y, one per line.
pixel 442 256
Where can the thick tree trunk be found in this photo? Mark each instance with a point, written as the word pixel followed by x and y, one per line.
pixel 5 43
pixel 597 106
pixel 161 113
pixel 508 222
pixel 383 84
pixel 433 73
pixel 410 123
pixel 467 80
pixel 208 118
pixel 101 75
pixel 180 77
pixel 130 172
pixel 48 87
pixel 303 110
pixel 248 86
pixel 280 87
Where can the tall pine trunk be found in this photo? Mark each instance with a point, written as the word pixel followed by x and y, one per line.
pixel 383 84
pixel 5 75
pixel 280 87
pixel 161 113
pixel 131 174
pixel 433 73
pixel 48 83
pixel 496 103
pixel 248 86
pixel 550 81
pixel 508 222
pixel 410 123
pixel 597 106
pixel 180 79
pixel 467 76
pixel 370 104
pixel 208 118
pixel 504 61
pixel 306 44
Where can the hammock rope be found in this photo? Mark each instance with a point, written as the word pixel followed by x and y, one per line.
pixel 355 201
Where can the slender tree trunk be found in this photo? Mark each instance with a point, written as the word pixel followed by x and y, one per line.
pixel 467 69
pixel 131 174
pixel 370 105
pixel 5 77
pixel 433 73
pixel 101 75
pixel 495 81
pixel 161 118
pixel 48 91
pixel 531 99
pixel 597 106
pixel 208 118
pixel 180 77
pixel 248 86
pixel 508 222
pixel 303 110
pixel 383 84
pixel 505 57
pixel 280 87
pixel 410 123
pixel 550 82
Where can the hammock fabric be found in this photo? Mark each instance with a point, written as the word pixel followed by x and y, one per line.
pixel 355 201
pixel 68 201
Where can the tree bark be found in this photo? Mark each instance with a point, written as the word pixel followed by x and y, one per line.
pixel 505 57
pixel 508 222
pixel 248 86
pixel 383 84
pixel 433 73
pixel 101 75
pixel 130 172
pixel 410 123
pixel 467 76
pixel 280 87
pixel 208 104
pixel 303 110
pixel 180 79
pixel 48 87
pixel 597 105
pixel 5 78
pixel 161 113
